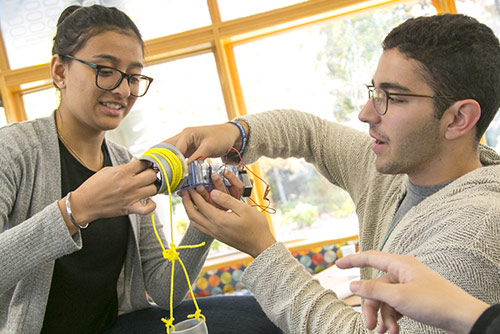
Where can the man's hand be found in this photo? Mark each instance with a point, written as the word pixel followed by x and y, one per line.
pixel 211 141
pixel 410 288
pixel 230 221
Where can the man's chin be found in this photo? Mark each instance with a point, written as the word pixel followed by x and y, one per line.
pixel 384 168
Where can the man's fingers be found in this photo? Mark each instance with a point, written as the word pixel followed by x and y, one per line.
pixel 236 185
pixel 218 182
pixel 378 288
pixel 233 179
pixel 194 154
pixel 381 328
pixel 195 217
pixel 181 145
pixel 389 319
pixel 228 202
pixel 375 259
pixel 203 192
pixel 370 311
pixel 205 210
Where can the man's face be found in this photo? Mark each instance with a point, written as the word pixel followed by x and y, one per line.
pixel 408 138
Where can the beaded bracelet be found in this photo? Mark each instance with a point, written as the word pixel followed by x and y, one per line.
pixel 243 136
pixel 70 214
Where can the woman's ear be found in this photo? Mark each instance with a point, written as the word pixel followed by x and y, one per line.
pixel 58 71
pixel 461 118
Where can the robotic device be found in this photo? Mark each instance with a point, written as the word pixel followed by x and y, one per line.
pixel 199 174
pixel 172 165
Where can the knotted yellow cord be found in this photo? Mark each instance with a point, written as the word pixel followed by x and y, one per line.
pixel 171 254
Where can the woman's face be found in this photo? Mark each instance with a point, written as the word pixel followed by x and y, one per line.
pixel 87 106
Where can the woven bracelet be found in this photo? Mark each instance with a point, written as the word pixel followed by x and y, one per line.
pixel 243 136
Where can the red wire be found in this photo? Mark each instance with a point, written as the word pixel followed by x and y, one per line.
pixel 266 191
pixel 268 208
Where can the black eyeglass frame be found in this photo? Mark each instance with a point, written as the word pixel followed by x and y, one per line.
pixel 98 68
pixel 372 88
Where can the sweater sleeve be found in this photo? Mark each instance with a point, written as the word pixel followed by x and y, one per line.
pixel 332 148
pixel 34 242
pixel 294 300
pixel 27 243
pixel 488 322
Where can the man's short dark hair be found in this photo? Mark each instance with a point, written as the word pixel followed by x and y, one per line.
pixel 459 57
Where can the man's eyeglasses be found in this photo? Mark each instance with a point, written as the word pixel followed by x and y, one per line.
pixel 380 98
pixel 108 78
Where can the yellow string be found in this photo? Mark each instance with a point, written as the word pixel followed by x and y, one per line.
pixel 176 169
pixel 171 254
pixel 173 161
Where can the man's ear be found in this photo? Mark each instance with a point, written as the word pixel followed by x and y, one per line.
pixel 58 71
pixel 461 118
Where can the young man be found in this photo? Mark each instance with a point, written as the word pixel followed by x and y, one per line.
pixel 421 182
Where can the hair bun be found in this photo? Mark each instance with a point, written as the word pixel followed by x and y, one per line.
pixel 67 12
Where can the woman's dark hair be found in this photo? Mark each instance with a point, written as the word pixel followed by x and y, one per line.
pixel 458 56
pixel 77 24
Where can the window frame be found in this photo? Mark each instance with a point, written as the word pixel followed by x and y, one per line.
pixel 219 38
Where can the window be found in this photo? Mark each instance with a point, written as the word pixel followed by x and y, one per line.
pixel 41 103
pixel 3 119
pixel 29 26
pixel 231 9
pixel 184 93
pixel 319 68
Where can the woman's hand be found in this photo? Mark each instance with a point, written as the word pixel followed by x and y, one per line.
pixel 114 191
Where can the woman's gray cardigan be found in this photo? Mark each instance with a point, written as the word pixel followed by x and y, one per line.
pixel 33 233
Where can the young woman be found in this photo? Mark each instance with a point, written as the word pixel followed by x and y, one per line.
pixel 77 247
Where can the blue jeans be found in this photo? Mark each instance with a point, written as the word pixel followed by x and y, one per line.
pixel 224 314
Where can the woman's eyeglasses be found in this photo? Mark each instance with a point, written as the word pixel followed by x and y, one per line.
pixel 108 78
